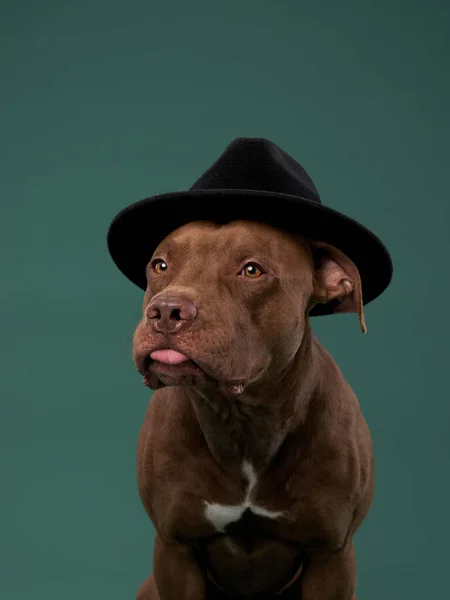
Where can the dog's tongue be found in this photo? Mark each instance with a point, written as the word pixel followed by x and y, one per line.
pixel 169 357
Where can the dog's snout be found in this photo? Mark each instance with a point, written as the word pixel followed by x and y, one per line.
pixel 169 314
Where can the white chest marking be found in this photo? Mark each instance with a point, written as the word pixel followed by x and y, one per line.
pixel 220 515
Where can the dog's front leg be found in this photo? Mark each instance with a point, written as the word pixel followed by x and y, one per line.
pixel 177 574
pixel 330 575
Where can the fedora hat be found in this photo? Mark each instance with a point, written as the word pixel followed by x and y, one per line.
pixel 254 180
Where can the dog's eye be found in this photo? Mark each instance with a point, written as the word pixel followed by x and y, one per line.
pixel 252 270
pixel 159 266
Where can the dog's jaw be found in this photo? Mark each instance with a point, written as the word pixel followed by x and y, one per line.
pixel 166 365
pixel 157 374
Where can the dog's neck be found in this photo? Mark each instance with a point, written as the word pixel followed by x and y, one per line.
pixel 252 427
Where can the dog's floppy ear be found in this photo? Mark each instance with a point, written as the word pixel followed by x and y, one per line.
pixel 337 278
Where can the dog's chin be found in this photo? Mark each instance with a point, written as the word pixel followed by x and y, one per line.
pixel 158 374
pixel 192 372
pixel 188 374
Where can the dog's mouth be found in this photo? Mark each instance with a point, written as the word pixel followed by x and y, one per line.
pixel 170 367
pixel 171 362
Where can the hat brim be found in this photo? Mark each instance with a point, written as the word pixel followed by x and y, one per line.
pixel 137 230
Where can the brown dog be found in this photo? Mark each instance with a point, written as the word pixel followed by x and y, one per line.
pixel 254 460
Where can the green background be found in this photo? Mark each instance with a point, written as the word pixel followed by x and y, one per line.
pixel 104 103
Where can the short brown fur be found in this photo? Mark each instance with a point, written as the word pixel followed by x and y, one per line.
pixel 296 421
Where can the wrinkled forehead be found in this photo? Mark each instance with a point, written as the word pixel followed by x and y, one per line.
pixel 236 237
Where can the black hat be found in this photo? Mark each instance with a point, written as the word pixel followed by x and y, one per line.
pixel 252 180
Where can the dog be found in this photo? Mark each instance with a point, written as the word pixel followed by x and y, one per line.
pixel 254 461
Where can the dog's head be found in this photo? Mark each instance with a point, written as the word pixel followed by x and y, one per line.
pixel 229 303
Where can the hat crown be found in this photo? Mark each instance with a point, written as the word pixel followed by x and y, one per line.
pixel 257 164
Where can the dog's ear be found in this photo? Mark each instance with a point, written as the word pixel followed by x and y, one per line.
pixel 337 279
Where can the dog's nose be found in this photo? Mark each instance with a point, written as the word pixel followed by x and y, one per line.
pixel 169 314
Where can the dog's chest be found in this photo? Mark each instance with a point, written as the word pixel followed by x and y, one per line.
pixel 220 516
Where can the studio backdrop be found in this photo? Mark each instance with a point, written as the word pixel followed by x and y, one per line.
pixel 105 103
